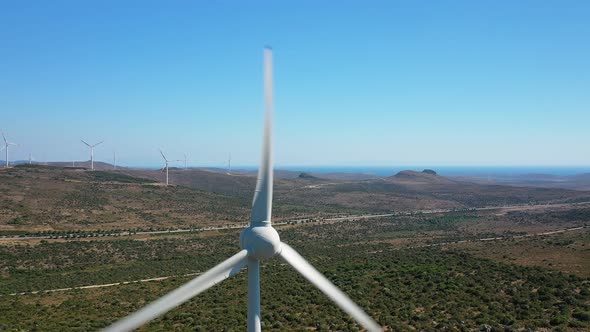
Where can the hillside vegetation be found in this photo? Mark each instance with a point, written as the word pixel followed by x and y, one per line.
pixel 514 268
pixel 382 264
pixel 44 198
pixel 38 198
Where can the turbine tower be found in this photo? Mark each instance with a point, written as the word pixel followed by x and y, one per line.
pixel 91 153
pixel 185 161
pixel 166 162
pixel 259 241
pixel 229 165
pixel 114 160
pixel 30 158
pixel 5 147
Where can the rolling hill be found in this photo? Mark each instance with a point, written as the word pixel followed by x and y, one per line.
pixel 45 198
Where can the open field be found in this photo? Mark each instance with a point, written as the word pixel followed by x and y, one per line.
pixel 41 199
pixel 51 199
pixel 388 265
pixel 470 268
pixel 396 286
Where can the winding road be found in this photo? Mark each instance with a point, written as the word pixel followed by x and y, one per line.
pixel 84 235
pixel 502 238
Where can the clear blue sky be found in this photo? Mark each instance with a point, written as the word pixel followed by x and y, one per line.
pixel 357 82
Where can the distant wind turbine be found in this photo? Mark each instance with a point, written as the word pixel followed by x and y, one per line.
pixel 114 160
pixel 185 161
pixel 229 165
pixel 166 162
pixel 30 158
pixel 91 153
pixel 5 147
pixel 260 241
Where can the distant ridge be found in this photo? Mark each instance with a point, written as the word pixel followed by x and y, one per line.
pixel 307 176
pixel 425 177
pixel 429 171
pixel 288 174
pixel 98 165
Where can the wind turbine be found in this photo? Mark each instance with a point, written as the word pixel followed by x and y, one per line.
pixel 5 147
pixel 114 160
pixel 30 158
pixel 258 242
pixel 166 162
pixel 91 153
pixel 185 161
pixel 229 165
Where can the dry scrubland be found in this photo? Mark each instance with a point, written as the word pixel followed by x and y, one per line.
pixel 46 199
pixel 465 270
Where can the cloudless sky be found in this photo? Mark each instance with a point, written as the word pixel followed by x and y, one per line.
pixel 356 82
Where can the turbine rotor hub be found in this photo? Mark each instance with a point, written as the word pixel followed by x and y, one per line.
pixel 261 241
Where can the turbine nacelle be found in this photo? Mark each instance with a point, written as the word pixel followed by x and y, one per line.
pixel 261 241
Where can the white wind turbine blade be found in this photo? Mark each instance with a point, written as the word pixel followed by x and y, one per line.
pixel 163 156
pixel 3 147
pixel 182 294
pixel 323 284
pixel 86 143
pixel 6 142
pixel 262 203
pixel 98 143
